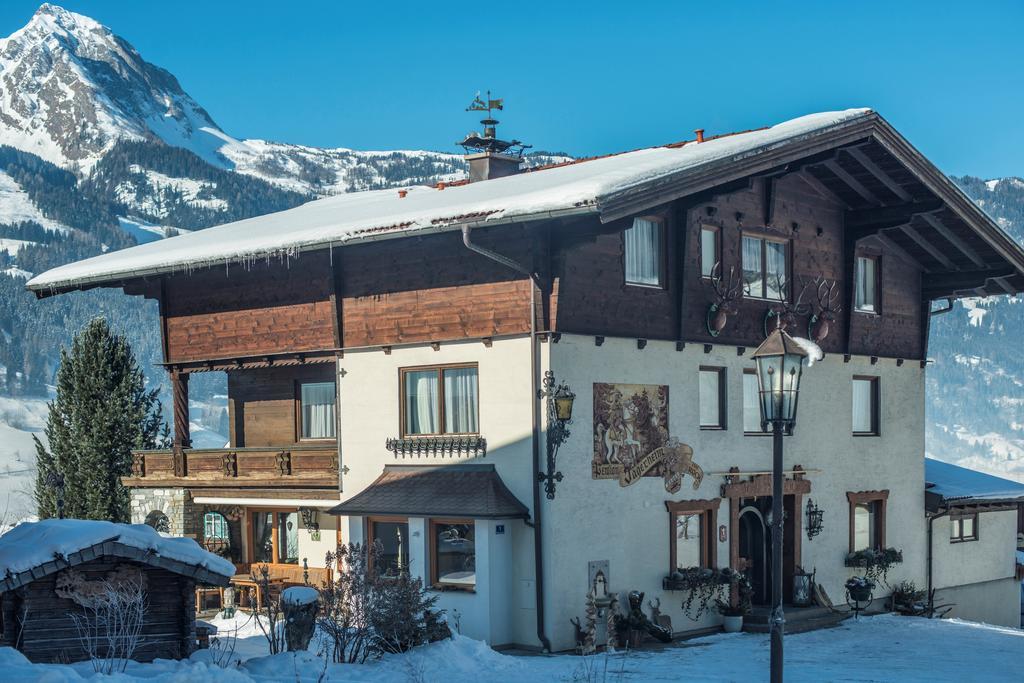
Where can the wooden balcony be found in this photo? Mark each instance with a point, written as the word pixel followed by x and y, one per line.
pixel 291 466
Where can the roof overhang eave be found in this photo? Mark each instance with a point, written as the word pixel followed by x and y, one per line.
pixel 44 290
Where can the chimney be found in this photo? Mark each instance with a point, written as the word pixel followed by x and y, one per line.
pixel 490 165
pixel 489 157
pixel 700 134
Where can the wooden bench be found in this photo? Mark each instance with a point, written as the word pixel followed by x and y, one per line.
pixel 279 577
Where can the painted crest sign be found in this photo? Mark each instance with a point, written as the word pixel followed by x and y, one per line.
pixel 631 437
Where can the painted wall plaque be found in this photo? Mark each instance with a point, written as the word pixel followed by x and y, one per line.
pixel 631 438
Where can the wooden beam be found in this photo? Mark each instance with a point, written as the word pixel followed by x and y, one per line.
pixel 866 222
pixel 819 188
pixel 880 175
pixel 928 246
pixel 850 181
pixel 941 228
pixel 891 246
pixel 938 285
pixel 1004 285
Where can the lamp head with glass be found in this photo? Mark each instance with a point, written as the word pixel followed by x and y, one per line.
pixel 780 362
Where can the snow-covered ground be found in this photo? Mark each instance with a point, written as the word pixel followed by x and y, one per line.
pixel 881 648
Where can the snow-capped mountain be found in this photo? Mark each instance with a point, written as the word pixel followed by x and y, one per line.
pixel 74 89
pixel 975 387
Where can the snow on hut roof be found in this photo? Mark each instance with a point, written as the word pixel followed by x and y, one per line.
pixel 570 188
pixel 959 484
pixel 31 545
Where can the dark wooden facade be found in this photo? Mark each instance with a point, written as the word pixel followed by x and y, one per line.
pixel 267 324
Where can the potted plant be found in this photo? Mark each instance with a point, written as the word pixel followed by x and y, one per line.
pixel 733 612
pixel 860 588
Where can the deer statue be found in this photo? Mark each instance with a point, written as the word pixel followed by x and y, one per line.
pixel 825 308
pixel 726 295
pixel 657 617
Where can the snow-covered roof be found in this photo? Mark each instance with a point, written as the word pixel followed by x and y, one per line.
pixel 957 484
pixel 573 188
pixel 32 545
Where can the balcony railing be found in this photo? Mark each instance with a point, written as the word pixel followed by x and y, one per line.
pixel 312 466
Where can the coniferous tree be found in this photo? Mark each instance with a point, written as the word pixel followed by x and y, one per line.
pixel 102 412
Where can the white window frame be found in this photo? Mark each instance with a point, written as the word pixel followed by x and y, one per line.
pixel 659 224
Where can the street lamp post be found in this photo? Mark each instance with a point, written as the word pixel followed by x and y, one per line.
pixel 779 366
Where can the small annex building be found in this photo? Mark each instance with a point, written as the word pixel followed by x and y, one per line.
pixel 974 520
pixel 52 569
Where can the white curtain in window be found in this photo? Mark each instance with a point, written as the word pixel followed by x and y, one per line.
pixel 775 270
pixel 708 252
pixel 862 397
pixel 643 252
pixel 752 276
pixel 460 401
pixel 318 410
pixel 421 408
pixel 688 540
pixel 709 399
pixel 864 526
pixel 866 282
pixel 751 404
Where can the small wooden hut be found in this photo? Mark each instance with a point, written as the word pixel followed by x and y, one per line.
pixel 55 571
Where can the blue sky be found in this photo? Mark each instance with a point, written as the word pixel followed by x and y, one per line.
pixel 587 78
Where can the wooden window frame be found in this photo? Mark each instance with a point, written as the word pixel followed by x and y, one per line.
pixel 298 411
pixel 765 238
pixel 250 514
pixel 370 523
pixel 856 498
pixel 435 582
pixel 957 518
pixel 878 284
pixel 708 510
pixel 723 404
pixel 751 371
pixel 876 401
pixel 718 249
pixel 662 255
pixel 402 372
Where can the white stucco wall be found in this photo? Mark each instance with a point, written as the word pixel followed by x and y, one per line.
pixel 370 414
pixel 992 556
pixel 600 520
pixel 991 602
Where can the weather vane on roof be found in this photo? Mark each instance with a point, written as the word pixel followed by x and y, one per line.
pixel 488 141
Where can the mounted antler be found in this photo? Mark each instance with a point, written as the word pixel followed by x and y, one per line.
pixel 786 313
pixel 726 294
pixel 825 308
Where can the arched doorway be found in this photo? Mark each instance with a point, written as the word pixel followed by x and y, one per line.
pixel 753 548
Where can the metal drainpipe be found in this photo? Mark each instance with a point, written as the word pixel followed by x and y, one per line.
pixel 538 557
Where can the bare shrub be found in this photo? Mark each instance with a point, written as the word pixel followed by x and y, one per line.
pixel 110 625
pixel 268 611
pixel 366 614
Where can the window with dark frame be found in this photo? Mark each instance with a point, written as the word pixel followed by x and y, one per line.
pixel 752 404
pixel 867 519
pixel 440 400
pixel 711 399
pixel 710 250
pixel 692 526
pixel 865 406
pixel 392 556
pixel 963 527
pixel 317 418
pixel 453 554
pixel 643 248
pixel 765 263
pixel 867 280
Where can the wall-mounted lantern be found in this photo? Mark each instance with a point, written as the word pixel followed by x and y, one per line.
pixel 559 403
pixel 311 521
pixel 815 516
